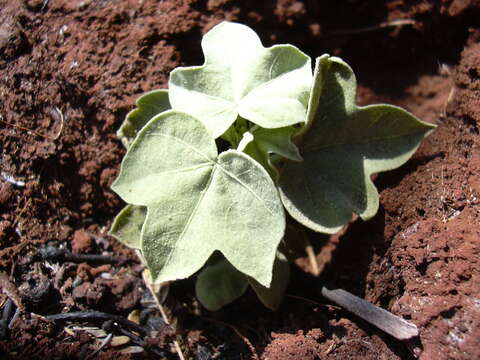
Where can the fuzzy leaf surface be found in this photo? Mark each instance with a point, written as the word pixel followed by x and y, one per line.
pixel 127 226
pixel 267 86
pixel 199 201
pixel 343 146
pixel 148 105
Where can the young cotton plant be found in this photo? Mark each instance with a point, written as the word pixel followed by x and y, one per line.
pixel 296 140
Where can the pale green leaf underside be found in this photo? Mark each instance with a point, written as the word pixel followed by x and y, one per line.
pixel 344 145
pixel 272 141
pixel 267 86
pixel 199 201
pixel 219 284
pixel 148 105
pixel 127 226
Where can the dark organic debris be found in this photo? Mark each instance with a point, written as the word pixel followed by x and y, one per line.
pixel 7 311
pixel 112 323
pixel 98 316
pixel 11 291
pixel 62 255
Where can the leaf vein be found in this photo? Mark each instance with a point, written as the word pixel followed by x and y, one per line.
pixel 266 84
pixel 192 215
pixel 185 169
pixel 186 144
pixel 234 177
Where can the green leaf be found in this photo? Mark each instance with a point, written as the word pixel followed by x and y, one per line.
pixel 220 284
pixel 344 145
pixel 127 226
pixel 234 133
pixel 267 86
pixel 272 141
pixel 199 201
pixel 272 296
pixel 148 105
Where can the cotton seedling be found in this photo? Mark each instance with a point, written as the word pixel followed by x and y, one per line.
pixel 296 142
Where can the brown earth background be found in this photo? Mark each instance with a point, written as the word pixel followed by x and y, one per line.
pixel 71 70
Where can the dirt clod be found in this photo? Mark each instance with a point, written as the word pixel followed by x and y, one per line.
pixel 6 192
pixel 82 242
pixel 94 296
pixel 290 347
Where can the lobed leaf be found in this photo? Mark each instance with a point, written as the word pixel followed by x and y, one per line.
pixel 127 226
pixel 220 284
pixel 343 146
pixel 148 105
pixel 267 86
pixel 199 201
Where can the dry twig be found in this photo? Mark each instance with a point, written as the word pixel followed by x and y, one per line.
pixel 154 292
pixel 382 25
pixel 29 131
pixel 381 318
pixel 62 255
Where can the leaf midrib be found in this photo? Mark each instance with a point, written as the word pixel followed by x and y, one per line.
pixel 192 215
